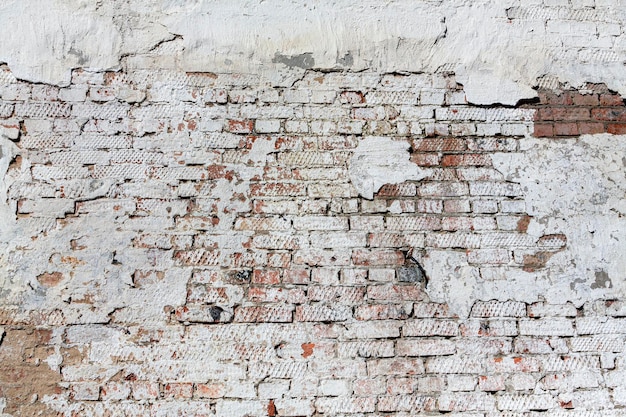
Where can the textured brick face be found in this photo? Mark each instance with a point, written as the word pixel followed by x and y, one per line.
pixel 571 113
pixel 192 244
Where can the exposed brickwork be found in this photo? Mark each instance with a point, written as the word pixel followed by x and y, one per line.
pixel 233 269
pixel 570 112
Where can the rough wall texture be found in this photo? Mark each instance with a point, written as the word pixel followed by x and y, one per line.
pixel 362 226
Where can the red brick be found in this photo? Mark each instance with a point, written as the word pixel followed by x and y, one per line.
pixel 276 295
pixel 219 171
pixel 395 293
pixel 617 128
pixel 543 130
pixel 240 126
pixel 277 189
pixel 425 159
pixel 471 159
pixel 296 276
pixel 456 206
pixel 565 129
pixel 266 277
pixel 398 190
pixel 570 113
pixel 178 390
pixel 351 97
pixel 609 113
pixel 590 128
pixel 563 98
pixel 439 144
pixel 611 100
pixel 544 113
pixel 586 99
pixel 210 390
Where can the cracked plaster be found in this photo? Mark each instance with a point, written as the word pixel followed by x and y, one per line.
pixel 574 186
pixel 508 47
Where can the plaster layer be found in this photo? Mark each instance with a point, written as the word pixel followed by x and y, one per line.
pixel 378 161
pixel 282 209
pixel 506 45
pixel 575 187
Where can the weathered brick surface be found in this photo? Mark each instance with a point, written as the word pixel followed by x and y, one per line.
pixel 194 245
pixel 573 113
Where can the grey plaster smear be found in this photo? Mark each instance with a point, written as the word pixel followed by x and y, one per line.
pixel 498 49
pixel 574 186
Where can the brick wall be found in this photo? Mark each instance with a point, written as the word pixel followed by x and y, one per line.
pixel 190 244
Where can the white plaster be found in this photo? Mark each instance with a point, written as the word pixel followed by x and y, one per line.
pixel 504 42
pixel 486 87
pixel 576 187
pixel 451 280
pixel 378 161
pixel 91 272
pixel 8 150
pixel 43 40
pixel 3 404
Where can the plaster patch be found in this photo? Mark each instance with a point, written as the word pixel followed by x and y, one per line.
pixel 304 61
pixel 43 40
pixel 486 87
pixel 561 180
pixel 98 277
pixel 481 40
pixel 378 161
pixel 8 150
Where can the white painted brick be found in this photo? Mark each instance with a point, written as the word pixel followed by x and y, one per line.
pixel 462 382
pixel 236 408
pixel 498 309
pixel 267 126
pixel 320 223
pixel 334 387
pixel 296 96
pixel 521 402
pixel 600 325
pixel 412 347
pixel 546 327
pixel 373 330
pixel 294 407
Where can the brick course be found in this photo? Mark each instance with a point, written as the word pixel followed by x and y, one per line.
pixel 265 284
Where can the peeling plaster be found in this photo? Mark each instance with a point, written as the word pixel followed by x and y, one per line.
pixel 8 150
pixel 101 272
pixel 508 45
pixel 378 161
pixel 575 187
